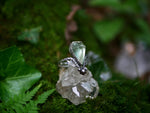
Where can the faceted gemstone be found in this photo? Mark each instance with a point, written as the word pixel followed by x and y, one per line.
pixel 77 49
pixel 75 86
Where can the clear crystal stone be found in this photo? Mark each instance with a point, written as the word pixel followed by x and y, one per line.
pixel 75 86
pixel 77 49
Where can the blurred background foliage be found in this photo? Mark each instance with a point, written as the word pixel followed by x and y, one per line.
pixel 133 20
pixel 102 25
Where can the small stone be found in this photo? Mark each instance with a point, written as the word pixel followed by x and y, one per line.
pixel 75 86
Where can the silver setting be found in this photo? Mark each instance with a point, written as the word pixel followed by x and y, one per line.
pixel 74 61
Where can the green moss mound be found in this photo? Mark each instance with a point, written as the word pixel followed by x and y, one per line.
pixel 118 95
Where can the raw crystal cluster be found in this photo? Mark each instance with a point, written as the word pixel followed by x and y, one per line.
pixel 75 86
pixel 75 80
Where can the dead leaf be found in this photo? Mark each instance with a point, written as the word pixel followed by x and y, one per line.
pixel 71 26
pixel 74 8
pixel 94 13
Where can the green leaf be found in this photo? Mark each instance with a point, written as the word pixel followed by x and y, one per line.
pixel 25 102
pixel 42 98
pixel 31 107
pixel 144 33
pixel 104 2
pixel 131 6
pixel 143 25
pixel 126 6
pixel 15 76
pixel 28 96
pixel 106 30
pixel 23 98
pixel 31 35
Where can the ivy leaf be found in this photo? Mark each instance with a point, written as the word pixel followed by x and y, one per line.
pixel 143 25
pixel 131 6
pixel 31 35
pixel 15 76
pixel 127 6
pixel 98 67
pixel 107 30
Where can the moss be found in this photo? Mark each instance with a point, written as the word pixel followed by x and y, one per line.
pixel 123 96
pixel 118 95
